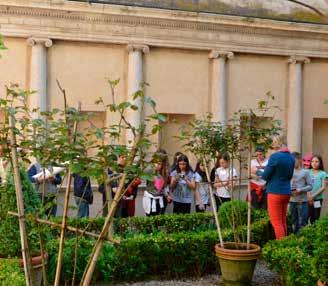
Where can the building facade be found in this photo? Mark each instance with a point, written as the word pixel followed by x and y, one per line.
pixel 194 62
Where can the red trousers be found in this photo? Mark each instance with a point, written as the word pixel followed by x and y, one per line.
pixel 277 208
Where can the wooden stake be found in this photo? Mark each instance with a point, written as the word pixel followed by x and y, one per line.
pixel 69 228
pixel 65 212
pixel 215 213
pixel 249 208
pixel 20 206
pixel 87 275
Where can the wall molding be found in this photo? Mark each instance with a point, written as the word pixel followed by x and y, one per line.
pixel 74 22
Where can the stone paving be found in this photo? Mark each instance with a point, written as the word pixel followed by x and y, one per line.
pixel 262 277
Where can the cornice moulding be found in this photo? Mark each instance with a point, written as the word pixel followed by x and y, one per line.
pixel 99 23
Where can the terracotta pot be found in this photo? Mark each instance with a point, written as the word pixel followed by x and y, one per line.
pixel 37 267
pixel 237 263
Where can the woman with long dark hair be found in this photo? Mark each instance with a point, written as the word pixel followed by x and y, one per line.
pixel 315 197
pixel 182 185
pixel 175 161
pixel 153 200
pixel 202 188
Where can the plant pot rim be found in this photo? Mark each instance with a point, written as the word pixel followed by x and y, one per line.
pixel 36 260
pixel 238 254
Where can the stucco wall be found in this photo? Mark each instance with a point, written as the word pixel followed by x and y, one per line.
pixel 82 69
pixel 315 94
pixel 13 64
pixel 251 77
pixel 178 80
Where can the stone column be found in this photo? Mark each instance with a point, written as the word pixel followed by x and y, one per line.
pixel 295 103
pixel 135 80
pixel 219 95
pixel 38 72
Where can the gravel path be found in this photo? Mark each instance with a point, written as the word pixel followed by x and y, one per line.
pixel 262 277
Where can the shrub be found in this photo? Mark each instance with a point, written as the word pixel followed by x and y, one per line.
pixel 301 259
pixel 169 223
pixel 144 256
pixel 9 228
pixel 11 273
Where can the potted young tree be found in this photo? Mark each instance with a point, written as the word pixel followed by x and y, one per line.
pixel 10 227
pixel 237 138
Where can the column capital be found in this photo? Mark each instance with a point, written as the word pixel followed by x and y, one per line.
pixel 298 60
pixel 33 41
pixel 215 54
pixel 138 47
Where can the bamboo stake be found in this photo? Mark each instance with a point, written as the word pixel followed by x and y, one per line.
pixel 69 228
pixel 87 275
pixel 65 212
pixel 20 206
pixel 215 213
pixel 44 272
pixel 63 227
pixel 249 206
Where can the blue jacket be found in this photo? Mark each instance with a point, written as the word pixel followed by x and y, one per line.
pixel 278 173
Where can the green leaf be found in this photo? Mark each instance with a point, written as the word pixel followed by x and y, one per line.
pixel 113 83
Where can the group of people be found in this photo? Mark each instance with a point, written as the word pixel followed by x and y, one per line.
pixel 287 179
pixel 283 179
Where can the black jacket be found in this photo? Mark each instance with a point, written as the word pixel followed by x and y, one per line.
pixel 82 188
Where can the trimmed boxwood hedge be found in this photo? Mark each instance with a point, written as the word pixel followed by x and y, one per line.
pixel 11 273
pixel 301 259
pixel 145 256
pixel 169 223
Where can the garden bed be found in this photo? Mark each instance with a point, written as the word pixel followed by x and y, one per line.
pixel 301 259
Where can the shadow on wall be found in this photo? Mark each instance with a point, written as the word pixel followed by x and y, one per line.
pixel 279 9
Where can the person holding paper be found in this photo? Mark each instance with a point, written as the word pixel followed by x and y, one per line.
pixel 315 197
pixel 225 176
pixel 278 174
pixel 258 194
pixel 46 182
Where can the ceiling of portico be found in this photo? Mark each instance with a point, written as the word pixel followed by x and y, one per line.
pixel 273 9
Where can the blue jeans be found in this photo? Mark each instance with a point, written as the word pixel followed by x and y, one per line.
pixel 299 213
pixel 83 207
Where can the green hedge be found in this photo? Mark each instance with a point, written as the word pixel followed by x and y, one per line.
pixel 142 257
pixel 11 273
pixel 169 223
pixel 301 259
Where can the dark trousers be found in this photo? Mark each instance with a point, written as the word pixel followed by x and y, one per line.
pixel 220 200
pixel 128 208
pixel 83 209
pixel 165 204
pixel 158 211
pixel 181 208
pixel 259 204
pixel 314 213
pixel 198 210
pixel 299 212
